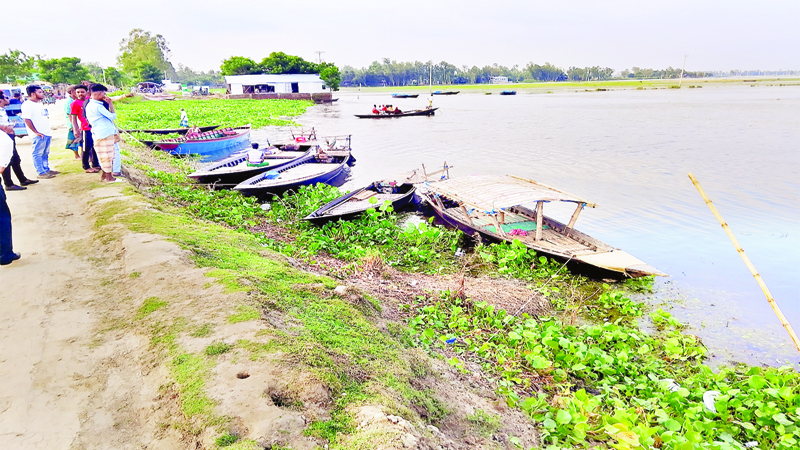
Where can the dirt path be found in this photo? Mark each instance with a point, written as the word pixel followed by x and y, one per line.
pixel 59 387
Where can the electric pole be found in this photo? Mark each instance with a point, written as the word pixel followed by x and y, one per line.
pixel 682 69
pixel 319 56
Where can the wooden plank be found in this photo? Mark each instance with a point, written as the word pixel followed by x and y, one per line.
pixel 539 219
pixel 573 219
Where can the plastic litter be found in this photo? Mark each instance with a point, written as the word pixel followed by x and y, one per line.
pixel 708 400
pixel 670 384
pixel 266 206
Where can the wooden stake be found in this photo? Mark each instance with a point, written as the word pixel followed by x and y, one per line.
pixel 539 219
pixel 573 219
pixel 747 262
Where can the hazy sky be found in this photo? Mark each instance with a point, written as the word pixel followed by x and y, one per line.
pixel 716 34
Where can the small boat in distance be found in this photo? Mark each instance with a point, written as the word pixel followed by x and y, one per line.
pixel 416 112
pixel 491 207
pixel 508 93
pixel 358 201
pixel 405 95
pixel 211 145
pixel 172 130
pixel 445 92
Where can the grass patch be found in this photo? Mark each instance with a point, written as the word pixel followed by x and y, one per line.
pixel 226 440
pixel 149 306
pixel 484 423
pixel 190 372
pixel 218 348
pixel 204 330
pixel 244 313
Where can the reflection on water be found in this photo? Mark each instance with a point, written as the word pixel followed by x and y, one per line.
pixel 630 152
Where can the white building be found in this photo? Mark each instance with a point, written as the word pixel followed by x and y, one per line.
pixel 278 84
pixel 498 80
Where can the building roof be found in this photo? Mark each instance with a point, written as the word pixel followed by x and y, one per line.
pixel 273 78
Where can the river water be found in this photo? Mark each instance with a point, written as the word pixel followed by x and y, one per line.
pixel 630 152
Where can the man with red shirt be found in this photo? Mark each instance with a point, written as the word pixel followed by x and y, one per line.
pixel 83 131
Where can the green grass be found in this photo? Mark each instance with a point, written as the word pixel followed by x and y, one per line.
pixel 149 306
pixel 244 313
pixel 218 348
pixel 190 372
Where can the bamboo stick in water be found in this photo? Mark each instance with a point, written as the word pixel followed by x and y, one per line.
pixel 747 262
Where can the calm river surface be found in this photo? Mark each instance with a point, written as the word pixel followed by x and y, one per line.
pixel 630 152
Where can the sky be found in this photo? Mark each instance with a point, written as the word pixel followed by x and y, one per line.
pixel 715 34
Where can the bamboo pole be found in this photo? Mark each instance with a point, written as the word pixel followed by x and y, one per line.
pixel 747 262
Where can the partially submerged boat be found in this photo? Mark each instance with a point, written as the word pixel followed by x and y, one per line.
pixel 236 168
pixel 211 145
pixel 492 207
pixel 328 167
pixel 372 196
pixel 416 112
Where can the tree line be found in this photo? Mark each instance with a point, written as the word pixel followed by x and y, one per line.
pixel 142 56
pixel 392 73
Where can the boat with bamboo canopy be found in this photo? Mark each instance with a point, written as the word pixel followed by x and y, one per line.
pixel 492 207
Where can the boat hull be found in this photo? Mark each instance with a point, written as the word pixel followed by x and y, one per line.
pixel 232 170
pixel 292 176
pixel 210 149
pixel 172 130
pixel 405 95
pixel 419 112
pixel 615 263
pixel 334 211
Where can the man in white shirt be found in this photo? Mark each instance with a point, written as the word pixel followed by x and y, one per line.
pixel 7 255
pixel 36 119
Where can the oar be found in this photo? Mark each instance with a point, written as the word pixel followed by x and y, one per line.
pixel 747 262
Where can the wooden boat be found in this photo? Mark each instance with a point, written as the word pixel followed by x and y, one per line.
pixel 308 170
pixel 356 202
pixel 508 92
pixel 157 97
pixel 490 207
pixel 172 130
pixel 211 145
pixel 303 143
pixel 416 112
pixel 405 95
pixel 445 92
pixel 234 169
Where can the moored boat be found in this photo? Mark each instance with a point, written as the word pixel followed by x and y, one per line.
pixel 323 167
pixel 211 145
pixel 172 130
pixel 236 168
pixel 416 112
pixel 508 92
pixel 372 196
pixel 445 92
pixel 491 207
pixel 405 95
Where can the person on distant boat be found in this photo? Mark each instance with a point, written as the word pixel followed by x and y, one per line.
pixel 383 109
pixel 397 111
pixel 255 157
pixel 375 109
pixel 184 119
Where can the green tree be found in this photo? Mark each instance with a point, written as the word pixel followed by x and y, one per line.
pixel 149 72
pixel 114 77
pixel 15 65
pixel 95 71
pixel 141 47
pixel 62 70
pixel 330 75
pixel 279 62
pixel 239 65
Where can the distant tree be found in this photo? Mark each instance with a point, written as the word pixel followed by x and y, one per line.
pixel 239 65
pixel 15 65
pixel 62 70
pixel 114 77
pixel 141 47
pixel 279 63
pixel 95 71
pixel 330 75
pixel 149 72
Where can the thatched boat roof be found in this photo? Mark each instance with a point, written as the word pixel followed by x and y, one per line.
pixel 493 192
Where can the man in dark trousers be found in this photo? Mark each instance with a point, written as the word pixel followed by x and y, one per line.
pixel 15 161
pixel 83 131
pixel 7 255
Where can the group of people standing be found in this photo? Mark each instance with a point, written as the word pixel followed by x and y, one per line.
pixel 93 137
